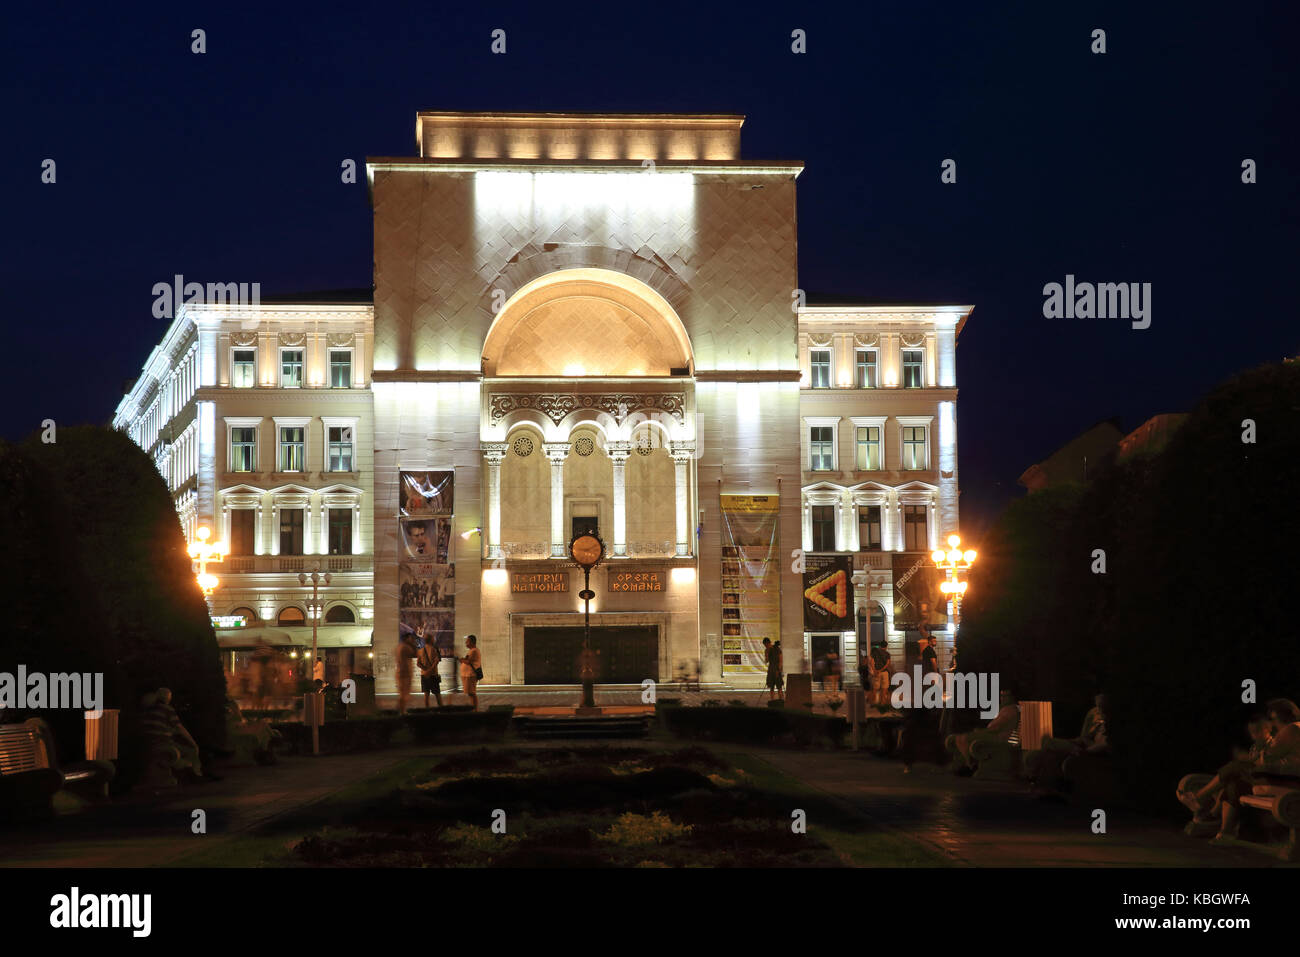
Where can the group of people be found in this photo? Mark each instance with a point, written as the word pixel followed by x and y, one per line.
pixel 427 659
pixel 427 594
pixel 1272 758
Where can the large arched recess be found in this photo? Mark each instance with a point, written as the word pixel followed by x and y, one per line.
pixel 587 322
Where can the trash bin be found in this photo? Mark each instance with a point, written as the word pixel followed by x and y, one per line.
pixel 1035 722
pixel 101 735
pixel 798 691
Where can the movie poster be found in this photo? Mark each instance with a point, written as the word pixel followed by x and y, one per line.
pixel 429 627
pixel 426 577
pixel 427 540
pixel 751 581
pixel 919 605
pixel 422 585
pixel 426 493
pixel 828 593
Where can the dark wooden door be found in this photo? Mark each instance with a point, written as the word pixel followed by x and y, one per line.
pixel 627 654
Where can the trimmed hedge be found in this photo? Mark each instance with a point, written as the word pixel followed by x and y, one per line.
pixel 369 734
pixel 753 725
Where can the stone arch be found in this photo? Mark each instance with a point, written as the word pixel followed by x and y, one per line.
pixel 587 322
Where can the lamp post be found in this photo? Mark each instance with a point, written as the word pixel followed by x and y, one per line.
pixel 204 552
pixel 587 550
pixel 954 561
pixel 315 608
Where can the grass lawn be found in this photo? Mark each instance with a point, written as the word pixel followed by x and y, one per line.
pixel 602 806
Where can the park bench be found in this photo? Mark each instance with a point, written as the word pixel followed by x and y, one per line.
pixel 1283 803
pixel 1280 801
pixel 30 774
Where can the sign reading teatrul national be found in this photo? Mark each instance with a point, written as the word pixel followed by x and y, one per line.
pixel 828 593
pixel 634 579
pixel 530 582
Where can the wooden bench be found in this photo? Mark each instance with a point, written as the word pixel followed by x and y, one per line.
pixel 1283 803
pixel 30 774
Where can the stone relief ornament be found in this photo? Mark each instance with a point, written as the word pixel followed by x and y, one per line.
pixel 819 341
pixel 243 338
pixel 293 338
pixel 913 341
pixel 618 405
pixel 340 339
pixel 866 340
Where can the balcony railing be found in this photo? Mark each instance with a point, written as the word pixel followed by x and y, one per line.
pixel 261 564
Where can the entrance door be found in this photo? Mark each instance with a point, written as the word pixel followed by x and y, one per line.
pixel 627 654
pixel 822 647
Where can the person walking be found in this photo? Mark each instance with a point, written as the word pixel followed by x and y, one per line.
pixel 778 666
pixel 471 669
pixel 406 653
pixel 430 680
pixel 767 665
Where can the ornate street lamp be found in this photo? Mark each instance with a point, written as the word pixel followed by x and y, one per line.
pixel 954 561
pixel 204 552
pixel 587 550
pixel 315 610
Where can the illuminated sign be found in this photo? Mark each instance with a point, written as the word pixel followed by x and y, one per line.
pixel 229 621
pixel 528 582
pixel 626 581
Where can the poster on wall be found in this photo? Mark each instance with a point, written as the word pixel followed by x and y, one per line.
pixel 426 585
pixel 428 627
pixel 751 581
pixel 426 493
pixel 919 605
pixel 427 539
pixel 828 593
pixel 426 577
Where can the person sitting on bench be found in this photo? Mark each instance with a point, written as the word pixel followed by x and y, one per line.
pixel 1003 728
pixel 1044 764
pixel 1277 763
pixel 1203 801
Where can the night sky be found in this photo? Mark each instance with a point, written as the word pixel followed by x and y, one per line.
pixel 1122 167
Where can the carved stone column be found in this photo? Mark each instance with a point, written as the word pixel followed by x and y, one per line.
pixel 682 453
pixel 556 453
pixel 618 453
pixel 494 452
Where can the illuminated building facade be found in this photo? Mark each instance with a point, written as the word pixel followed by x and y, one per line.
pixel 594 322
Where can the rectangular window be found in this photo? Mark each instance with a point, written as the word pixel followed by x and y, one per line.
pixel 869 528
pixel 866 368
pixel 340 531
pixel 915 538
pixel 243 531
pixel 912 363
pixel 243 449
pixel 581 524
pixel 868 449
pixel 340 369
pixel 293 449
pixel 291 368
pixel 820 363
pixel 291 531
pixel 914 447
pixel 340 450
pixel 821 446
pixel 243 369
pixel 823 528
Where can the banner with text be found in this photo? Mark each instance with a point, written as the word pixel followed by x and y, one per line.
pixel 751 581
pixel 828 593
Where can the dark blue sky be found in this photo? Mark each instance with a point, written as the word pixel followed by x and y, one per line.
pixel 1120 167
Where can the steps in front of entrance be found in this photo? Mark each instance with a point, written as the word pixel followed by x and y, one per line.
pixel 554 727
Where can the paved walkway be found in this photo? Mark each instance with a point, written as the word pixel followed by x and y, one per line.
pixel 148 830
pixel 994 824
pixel 975 823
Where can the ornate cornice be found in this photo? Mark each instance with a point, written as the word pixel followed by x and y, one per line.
pixel 557 406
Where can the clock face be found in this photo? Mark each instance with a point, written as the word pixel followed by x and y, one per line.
pixel 586 549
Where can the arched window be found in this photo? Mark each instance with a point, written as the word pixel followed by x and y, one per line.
pixel 339 614
pixel 291 616
pixel 249 616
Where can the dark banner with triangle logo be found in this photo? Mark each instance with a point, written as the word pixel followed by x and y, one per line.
pixel 828 593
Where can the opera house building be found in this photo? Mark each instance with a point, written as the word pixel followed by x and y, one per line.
pixel 579 323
